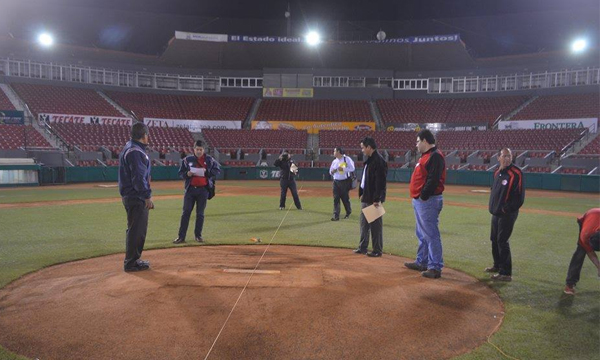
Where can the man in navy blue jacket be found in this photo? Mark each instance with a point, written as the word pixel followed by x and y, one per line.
pixel 199 172
pixel 134 186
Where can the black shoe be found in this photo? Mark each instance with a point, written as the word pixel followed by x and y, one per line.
pixel 199 239
pixel 492 269
pixel 359 251
pixel 300 208
pixel 137 267
pixel 281 208
pixel 142 262
pixel 347 216
pixel 179 240
pixel 415 266
pixel 432 274
pixel 335 219
pixel 374 254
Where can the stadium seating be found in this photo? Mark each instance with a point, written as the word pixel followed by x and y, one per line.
pixel 573 170
pixel 562 107
pixel 64 100
pixel 253 140
pixel 350 140
pixel 18 136
pixel 464 110
pixel 89 137
pixel 537 169
pixel 592 148
pixel 190 107
pixel 5 103
pixel 314 110
pixel 515 139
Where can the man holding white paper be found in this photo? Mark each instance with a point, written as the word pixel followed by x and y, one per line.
pixel 372 191
pixel 199 172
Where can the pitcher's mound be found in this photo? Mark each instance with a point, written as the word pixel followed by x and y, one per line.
pixel 306 302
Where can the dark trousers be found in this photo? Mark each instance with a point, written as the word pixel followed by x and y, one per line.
pixel 286 184
pixel 137 226
pixel 376 230
pixel 341 191
pixel 576 263
pixel 197 196
pixel 502 227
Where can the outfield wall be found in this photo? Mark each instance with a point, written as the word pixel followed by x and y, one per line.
pixel 578 183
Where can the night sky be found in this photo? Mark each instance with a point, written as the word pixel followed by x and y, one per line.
pixel 489 28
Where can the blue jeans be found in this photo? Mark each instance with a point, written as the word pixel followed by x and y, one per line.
pixel 198 197
pixel 427 215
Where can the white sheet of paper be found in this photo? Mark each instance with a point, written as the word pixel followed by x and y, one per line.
pixel 197 171
pixel 373 213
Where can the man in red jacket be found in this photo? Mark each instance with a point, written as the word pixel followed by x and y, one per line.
pixel 426 188
pixel 588 243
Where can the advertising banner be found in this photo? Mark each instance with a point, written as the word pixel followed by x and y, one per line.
pixel 194 125
pixel 84 119
pixel 434 127
pixel 12 117
pixel 288 92
pixel 424 39
pixel 589 123
pixel 265 39
pixel 200 37
pixel 313 127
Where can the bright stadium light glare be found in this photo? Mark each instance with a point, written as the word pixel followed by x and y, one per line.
pixel 313 38
pixel 45 39
pixel 579 45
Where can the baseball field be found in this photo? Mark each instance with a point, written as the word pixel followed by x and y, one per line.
pixel 48 310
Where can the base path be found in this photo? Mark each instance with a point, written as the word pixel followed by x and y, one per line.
pixel 305 302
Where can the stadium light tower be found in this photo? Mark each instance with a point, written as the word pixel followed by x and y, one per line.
pixel 313 38
pixel 579 46
pixel 45 40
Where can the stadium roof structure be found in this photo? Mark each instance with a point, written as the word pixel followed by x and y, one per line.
pixel 331 55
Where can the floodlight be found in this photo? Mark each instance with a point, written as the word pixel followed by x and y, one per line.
pixel 579 45
pixel 313 38
pixel 45 39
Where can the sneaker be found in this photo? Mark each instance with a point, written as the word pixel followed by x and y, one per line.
pixel 415 266
pixel 432 274
pixel 500 277
pixel 569 290
pixel 492 269
pixel 374 254
pixel 281 208
pixel 137 267
pixel 179 241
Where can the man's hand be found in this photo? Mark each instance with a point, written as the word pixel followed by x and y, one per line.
pixel 377 204
pixel 149 204
pixel 190 174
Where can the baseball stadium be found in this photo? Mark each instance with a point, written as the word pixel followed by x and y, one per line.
pixel 192 179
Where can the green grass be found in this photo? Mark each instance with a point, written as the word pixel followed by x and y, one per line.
pixel 540 322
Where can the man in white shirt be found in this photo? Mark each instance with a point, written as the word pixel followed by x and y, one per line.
pixel 340 170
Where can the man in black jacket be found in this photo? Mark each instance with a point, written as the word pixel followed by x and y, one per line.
pixel 506 198
pixel 199 172
pixel 134 187
pixel 372 192
pixel 287 175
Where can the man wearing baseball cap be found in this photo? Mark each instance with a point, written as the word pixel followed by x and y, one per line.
pixel 588 243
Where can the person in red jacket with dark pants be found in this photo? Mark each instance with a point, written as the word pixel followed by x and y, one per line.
pixel 426 188
pixel 588 243
pixel 506 198
pixel 199 172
